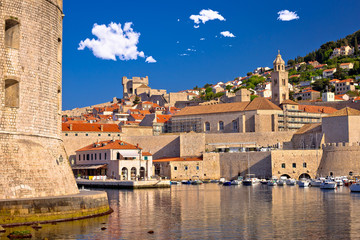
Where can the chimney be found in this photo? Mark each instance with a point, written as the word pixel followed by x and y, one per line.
pixel 71 127
pixel 102 128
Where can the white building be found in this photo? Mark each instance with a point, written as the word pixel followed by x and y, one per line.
pixel 114 159
pixel 328 97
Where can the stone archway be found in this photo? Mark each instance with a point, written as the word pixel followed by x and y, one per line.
pixel 142 173
pixel 304 175
pixel 124 173
pixel 285 175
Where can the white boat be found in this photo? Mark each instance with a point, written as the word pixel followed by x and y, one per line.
pixel 280 182
pixel 328 184
pixel 222 180
pixel 271 182
pixel 339 181
pixel 263 181
pixel 247 181
pixel 291 182
pixel 303 183
pixel 355 187
pixel 235 182
pixel 315 182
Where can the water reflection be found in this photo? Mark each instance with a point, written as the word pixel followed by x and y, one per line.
pixel 212 211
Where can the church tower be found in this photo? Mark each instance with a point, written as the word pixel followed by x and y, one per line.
pixel 279 81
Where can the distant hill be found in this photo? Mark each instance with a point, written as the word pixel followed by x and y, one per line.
pixel 324 52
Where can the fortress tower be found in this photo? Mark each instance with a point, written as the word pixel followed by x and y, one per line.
pixel 34 165
pixel 279 81
pixel 130 85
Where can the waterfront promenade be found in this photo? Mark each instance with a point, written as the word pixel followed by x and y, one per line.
pixel 123 184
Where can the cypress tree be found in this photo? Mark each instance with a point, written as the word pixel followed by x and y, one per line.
pixel 356 46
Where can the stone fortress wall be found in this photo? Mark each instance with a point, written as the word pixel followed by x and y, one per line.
pixel 340 159
pixel 32 156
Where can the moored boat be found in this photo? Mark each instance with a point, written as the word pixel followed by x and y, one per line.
pixel 196 182
pixel 227 183
pixel 303 183
pixel 291 182
pixel 315 182
pixel 187 182
pixel 235 182
pixel 271 182
pixel 280 182
pixel 355 187
pixel 174 182
pixel 328 184
pixel 263 181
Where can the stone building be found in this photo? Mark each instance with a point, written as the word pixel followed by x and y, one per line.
pixel 115 159
pixel 130 85
pixel 279 81
pixel 34 163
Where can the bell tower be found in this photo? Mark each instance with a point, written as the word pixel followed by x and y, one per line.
pixel 279 81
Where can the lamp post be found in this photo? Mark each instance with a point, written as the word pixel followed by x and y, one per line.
pixel 139 152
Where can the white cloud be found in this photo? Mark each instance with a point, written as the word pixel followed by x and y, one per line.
pixel 183 54
pixel 177 42
pixel 178 20
pixel 206 15
pixel 286 15
pixel 113 42
pixel 227 34
pixel 191 50
pixel 150 59
pixel 202 39
pixel 196 26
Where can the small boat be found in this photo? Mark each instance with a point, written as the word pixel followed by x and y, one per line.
pixel 328 184
pixel 214 181
pixel 315 182
pixel 187 182
pixel 174 182
pixel 206 181
pixel 222 180
pixel 235 182
pixel 291 182
pixel 247 182
pixel 227 183
pixel 339 181
pixel 280 182
pixel 263 181
pixel 355 187
pixel 196 182
pixel 303 183
pixel 271 182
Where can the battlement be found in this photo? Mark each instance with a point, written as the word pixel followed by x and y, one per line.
pixel 341 146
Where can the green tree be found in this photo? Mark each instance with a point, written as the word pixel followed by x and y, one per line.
pixel 252 97
pixel 249 74
pixel 291 62
pixel 207 85
pixel 356 46
pixel 228 88
pixel 136 100
pixel 320 84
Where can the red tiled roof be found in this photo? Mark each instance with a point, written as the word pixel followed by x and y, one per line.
pixel 146 154
pixel 162 118
pixel 344 64
pixel 346 80
pixel 109 144
pixel 177 159
pixel 307 91
pixel 316 109
pixel 137 116
pixel 90 127
pixel 329 70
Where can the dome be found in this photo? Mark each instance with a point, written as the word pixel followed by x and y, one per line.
pixel 278 59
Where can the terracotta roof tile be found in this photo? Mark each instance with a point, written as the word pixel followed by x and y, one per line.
pixel 90 127
pixel 162 118
pixel 316 109
pixel 261 103
pixel 146 154
pixel 210 109
pixel 288 101
pixel 345 112
pixel 110 144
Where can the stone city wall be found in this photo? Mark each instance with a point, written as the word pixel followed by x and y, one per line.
pixel 340 159
pixel 294 163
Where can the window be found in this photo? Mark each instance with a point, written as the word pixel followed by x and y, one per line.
pixel 95 156
pixel 12 34
pixel 84 157
pixel 79 157
pixel 76 134
pixel 11 93
pixel 350 173
pixel 283 165
pixel 235 126
pixel 118 135
pixel 109 135
pixel 304 164
pixel 99 134
pixel 182 129
pixel 87 157
pixel 221 126
pixel 105 156
pixel 118 156
pixel 66 134
pixel 283 82
pixel 86 134
pixel 145 158
pixel 197 167
pixel 194 128
pixel 175 168
pixel 92 157
pixel 186 167
pixel 294 165
pixel 207 126
pixel 59 54
pixel 99 156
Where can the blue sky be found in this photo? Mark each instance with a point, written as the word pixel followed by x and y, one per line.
pixel 167 33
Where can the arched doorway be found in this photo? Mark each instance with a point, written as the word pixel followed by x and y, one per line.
pixel 142 173
pixel 124 173
pixel 133 173
pixel 285 175
pixel 304 175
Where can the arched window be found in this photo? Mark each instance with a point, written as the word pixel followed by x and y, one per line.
pixel 133 173
pixel 12 34
pixel 124 173
pixel 207 126
pixel 11 93
pixel 221 126
pixel 118 156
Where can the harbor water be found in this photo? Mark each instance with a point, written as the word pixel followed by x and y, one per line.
pixel 213 211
